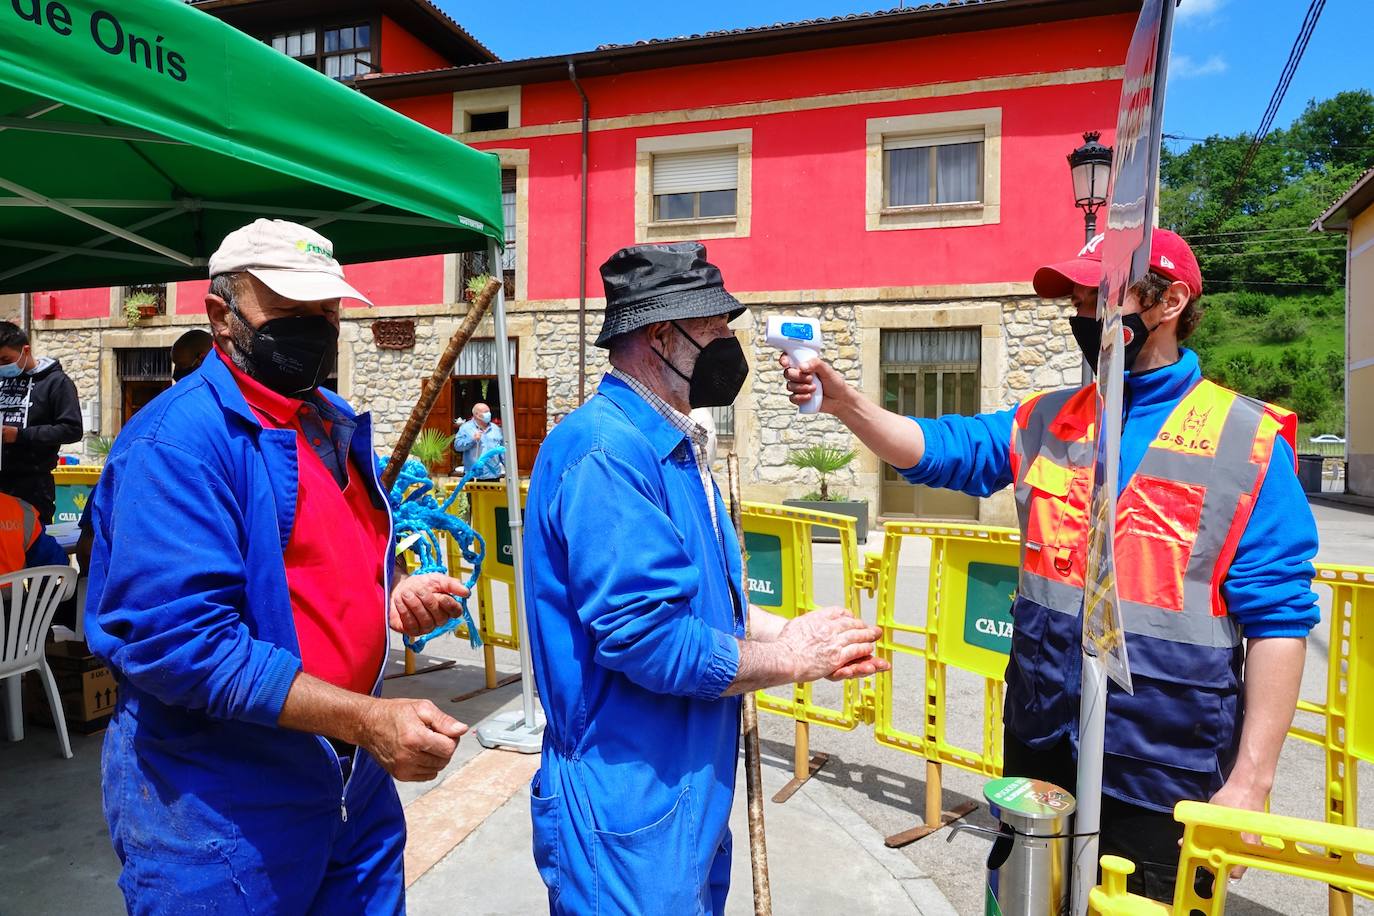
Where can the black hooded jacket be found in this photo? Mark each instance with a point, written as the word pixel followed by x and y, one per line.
pixel 44 405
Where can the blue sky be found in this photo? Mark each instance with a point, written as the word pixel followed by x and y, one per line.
pixel 1227 53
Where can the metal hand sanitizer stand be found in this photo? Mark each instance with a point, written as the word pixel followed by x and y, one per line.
pixel 1028 867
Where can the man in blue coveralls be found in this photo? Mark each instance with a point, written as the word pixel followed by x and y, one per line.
pixel 635 612
pixel 1214 543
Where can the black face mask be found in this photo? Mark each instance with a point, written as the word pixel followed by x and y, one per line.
pixel 1088 333
pixel 290 355
pixel 719 373
pixel 180 372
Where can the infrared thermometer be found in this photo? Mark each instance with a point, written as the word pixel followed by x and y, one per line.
pixel 800 339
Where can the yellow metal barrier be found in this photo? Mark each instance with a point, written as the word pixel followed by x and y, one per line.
pixel 973 572
pixel 490 517
pixel 777 540
pixel 1213 842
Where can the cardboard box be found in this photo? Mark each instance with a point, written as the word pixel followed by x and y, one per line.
pixel 87 689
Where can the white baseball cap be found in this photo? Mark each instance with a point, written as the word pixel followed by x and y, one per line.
pixel 294 262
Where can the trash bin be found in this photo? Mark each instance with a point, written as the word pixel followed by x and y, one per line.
pixel 1310 473
pixel 73 484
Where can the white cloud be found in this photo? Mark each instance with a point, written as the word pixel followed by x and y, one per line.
pixel 1192 11
pixel 1182 66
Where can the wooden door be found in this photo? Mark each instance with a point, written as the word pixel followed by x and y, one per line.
pixel 440 417
pixel 531 419
pixel 137 394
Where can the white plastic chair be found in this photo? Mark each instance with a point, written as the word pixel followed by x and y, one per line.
pixel 28 601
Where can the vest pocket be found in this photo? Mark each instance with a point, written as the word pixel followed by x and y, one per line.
pixel 1157 525
pixel 653 868
pixel 1056 520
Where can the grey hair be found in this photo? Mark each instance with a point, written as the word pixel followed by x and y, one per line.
pixel 226 286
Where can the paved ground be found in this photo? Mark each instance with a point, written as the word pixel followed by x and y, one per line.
pixel 470 829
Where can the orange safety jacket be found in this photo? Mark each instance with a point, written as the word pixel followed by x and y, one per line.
pixel 1179 519
pixel 19 529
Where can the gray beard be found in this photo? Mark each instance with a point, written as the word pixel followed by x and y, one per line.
pixel 241 340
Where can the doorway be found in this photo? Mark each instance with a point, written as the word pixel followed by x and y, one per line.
pixel 473 382
pixel 929 373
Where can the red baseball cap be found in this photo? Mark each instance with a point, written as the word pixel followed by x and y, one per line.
pixel 1170 257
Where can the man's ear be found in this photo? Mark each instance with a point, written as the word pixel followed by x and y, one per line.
pixel 217 310
pixel 658 335
pixel 1175 300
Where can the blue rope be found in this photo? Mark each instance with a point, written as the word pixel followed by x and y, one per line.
pixel 415 511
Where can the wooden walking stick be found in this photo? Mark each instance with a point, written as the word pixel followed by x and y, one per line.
pixel 753 776
pixel 480 303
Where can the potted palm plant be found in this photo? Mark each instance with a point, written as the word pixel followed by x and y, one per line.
pixel 826 460
pixel 99 447
pixel 431 448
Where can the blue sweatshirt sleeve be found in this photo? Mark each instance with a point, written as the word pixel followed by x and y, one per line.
pixel 163 599
pixel 463 440
pixel 634 580
pixel 1269 585
pixel 971 454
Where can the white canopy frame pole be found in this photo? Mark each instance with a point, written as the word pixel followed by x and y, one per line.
pixel 89 247
pixel 128 236
pixel 518 731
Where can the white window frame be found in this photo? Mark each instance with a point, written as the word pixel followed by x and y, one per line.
pixel 938 127
pixel 647 229
pixel 485 101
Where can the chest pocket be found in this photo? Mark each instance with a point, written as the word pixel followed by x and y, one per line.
pixel 1157 526
pixel 1056 520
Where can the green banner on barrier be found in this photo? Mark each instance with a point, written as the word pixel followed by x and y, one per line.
pixel 765 569
pixel 503 552
pixel 71 502
pixel 987 613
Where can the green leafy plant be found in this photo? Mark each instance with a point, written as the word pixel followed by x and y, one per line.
pixel 99 447
pixel 476 285
pixel 824 460
pixel 134 305
pixel 1286 324
pixel 432 449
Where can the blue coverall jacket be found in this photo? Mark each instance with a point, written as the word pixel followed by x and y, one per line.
pixel 634 619
pixel 211 806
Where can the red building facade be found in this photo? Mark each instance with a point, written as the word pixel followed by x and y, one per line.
pixel 899 175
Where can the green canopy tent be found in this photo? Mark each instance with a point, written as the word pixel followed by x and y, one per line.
pixel 136 134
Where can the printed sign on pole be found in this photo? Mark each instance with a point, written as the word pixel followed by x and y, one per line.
pixel 1125 259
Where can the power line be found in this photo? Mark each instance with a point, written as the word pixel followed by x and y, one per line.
pixel 1209 235
pixel 1232 243
pixel 1309 23
pixel 1255 254
pixel 1241 139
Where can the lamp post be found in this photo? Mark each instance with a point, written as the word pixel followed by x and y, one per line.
pixel 1091 168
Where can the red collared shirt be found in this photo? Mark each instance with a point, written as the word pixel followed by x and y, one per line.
pixel 339 543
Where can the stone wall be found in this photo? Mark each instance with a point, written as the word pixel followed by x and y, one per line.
pixel 770 429
pixel 1040 348
pixel 79 353
pixel 1039 354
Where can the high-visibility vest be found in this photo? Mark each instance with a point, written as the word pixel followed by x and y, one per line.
pixel 1179 520
pixel 19 528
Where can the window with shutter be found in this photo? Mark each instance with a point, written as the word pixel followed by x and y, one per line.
pixel 695 185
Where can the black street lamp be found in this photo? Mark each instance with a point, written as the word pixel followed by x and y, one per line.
pixel 1091 167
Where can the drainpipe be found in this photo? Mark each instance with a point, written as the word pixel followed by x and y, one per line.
pixel 582 246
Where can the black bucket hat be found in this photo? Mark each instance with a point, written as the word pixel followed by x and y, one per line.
pixel 650 283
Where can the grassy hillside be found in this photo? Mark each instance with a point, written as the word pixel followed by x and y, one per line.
pixel 1289 350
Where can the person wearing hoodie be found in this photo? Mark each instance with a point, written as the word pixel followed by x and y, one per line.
pixel 40 413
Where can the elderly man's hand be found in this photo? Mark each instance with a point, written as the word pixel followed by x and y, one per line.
pixel 831 643
pixel 421 603
pixel 413 740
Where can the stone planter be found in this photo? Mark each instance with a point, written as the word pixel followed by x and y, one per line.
pixel 855 509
